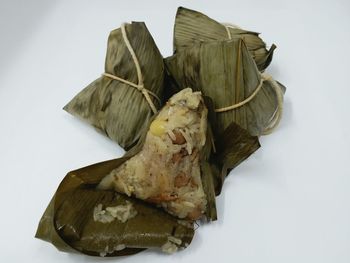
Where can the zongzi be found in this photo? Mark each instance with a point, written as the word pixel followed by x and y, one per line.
pixel 75 222
pixel 225 72
pixel 178 157
pixel 192 26
pixel 167 170
pixel 125 97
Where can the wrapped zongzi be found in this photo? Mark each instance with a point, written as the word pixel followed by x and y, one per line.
pixel 192 26
pixel 129 92
pixel 226 72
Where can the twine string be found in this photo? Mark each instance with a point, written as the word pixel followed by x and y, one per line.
pixel 140 85
pixel 276 118
pixel 228 26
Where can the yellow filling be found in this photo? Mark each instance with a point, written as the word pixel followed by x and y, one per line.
pixel 158 127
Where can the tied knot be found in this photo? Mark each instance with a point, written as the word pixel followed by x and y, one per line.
pixel 140 86
pixel 276 117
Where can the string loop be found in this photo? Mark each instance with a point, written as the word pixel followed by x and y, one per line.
pixel 276 118
pixel 140 85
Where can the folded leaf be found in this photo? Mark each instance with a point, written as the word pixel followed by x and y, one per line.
pixel 228 149
pixel 192 26
pixel 69 224
pixel 114 107
pixel 225 72
pixel 233 146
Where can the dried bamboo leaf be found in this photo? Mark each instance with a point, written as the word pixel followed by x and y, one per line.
pixel 170 85
pixel 113 107
pixel 209 188
pixel 225 72
pixel 69 225
pixel 192 26
pixel 234 145
pixel 209 179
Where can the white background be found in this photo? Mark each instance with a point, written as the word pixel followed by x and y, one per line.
pixel 289 202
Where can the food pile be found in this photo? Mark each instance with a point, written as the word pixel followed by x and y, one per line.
pixel 185 122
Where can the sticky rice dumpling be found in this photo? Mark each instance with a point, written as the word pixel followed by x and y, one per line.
pixel 225 72
pixel 126 96
pixel 81 218
pixel 167 170
pixel 192 26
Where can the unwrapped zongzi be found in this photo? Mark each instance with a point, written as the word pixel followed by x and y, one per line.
pixel 167 170
pixel 170 167
pixel 75 220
